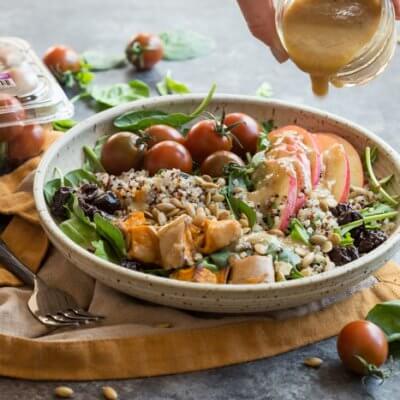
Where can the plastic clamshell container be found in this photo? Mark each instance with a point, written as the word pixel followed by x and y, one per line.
pixel 28 91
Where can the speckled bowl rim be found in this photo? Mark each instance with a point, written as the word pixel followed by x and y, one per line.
pixel 50 225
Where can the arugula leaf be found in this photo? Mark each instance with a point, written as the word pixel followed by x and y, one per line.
pixel 295 274
pixel 80 232
pixel 101 61
pixel 111 233
pixel 119 93
pixel 63 125
pixel 239 207
pixel 137 120
pixel 387 316
pixel 92 161
pixel 103 250
pixel 377 208
pixel 265 90
pixel 76 177
pixel 268 126
pixel 171 86
pixel 298 232
pixel 182 45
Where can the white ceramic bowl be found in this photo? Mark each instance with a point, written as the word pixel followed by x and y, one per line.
pixel 66 154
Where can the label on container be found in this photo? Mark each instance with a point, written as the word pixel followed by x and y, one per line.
pixel 6 81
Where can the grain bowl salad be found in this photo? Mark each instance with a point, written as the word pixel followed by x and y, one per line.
pixel 223 200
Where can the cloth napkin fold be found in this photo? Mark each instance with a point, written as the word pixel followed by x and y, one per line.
pixel 138 338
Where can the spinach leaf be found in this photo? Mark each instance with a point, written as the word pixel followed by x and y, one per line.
pixel 63 125
pixel 50 188
pixel 119 93
pixel 238 207
pixel 92 160
pixel 265 90
pixel 182 45
pixel 387 317
pixel 171 86
pixel 102 61
pixel 76 177
pixel 295 274
pixel 221 258
pixel 111 233
pixel 137 120
pixel 80 232
pixel 103 250
pixel 206 263
pixel 298 232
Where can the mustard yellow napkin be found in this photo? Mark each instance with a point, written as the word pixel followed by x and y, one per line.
pixel 140 338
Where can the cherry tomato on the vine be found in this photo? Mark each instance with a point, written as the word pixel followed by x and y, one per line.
pixel 121 153
pixel 207 137
pixel 60 59
pixel 246 131
pixel 144 50
pixel 159 133
pixel 215 163
pixel 363 339
pixel 168 155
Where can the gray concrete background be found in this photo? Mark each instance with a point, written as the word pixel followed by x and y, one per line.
pixel 238 65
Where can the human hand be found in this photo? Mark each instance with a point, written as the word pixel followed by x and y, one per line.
pixel 260 17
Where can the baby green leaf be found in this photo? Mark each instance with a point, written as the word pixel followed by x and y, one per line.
pixel 171 86
pixel 137 120
pixel 76 177
pixel 80 232
pixel 182 45
pixel 265 90
pixel 92 161
pixel 103 250
pixel 298 232
pixel 111 233
pixel 50 188
pixel 238 207
pixel 102 61
pixel 63 125
pixel 387 317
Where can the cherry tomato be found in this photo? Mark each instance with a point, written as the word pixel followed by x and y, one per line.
pixel 27 143
pixel 364 339
pixel 160 133
pixel 246 131
pixel 144 51
pixel 60 59
pixel 168 155
pixel 15 113
pixel 121 153
pixel 207 137
pixel 214 164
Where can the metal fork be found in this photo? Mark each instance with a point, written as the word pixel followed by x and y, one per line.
pixel 51 306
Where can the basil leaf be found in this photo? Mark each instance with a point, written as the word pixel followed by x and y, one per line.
pixel 171 86
pixel 103 250
pixel 111 233
pixel 137 120
pixel 50 188
pixel 183 45
pixel 102 61
pixel 265 90
pixel 76 177
pixel 80 232
pixel 238 207
pixel 298 232
pixel 387 317
pixel 119 93
pixel 63 125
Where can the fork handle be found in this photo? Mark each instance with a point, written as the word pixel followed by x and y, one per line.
pixel 15 266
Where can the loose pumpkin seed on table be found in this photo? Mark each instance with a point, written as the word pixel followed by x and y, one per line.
pixel 109 393
pixel 313 362
pixel 64 392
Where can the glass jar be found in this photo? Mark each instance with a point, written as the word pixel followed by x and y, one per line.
pixel 371 60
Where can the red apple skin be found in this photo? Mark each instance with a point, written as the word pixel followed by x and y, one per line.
pixel 326 140
pixel 308 139
pixel 291 202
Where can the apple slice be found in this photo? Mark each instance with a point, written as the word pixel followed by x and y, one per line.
pixel 279 186
pixel 337 172
pixel 325 140
pixel 288 134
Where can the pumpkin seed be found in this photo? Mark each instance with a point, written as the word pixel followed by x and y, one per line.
pixel 313 362
pixel 327 246
pixel 109 393
pixel 223 214
pixel 308 260
pixel 64 392
pixel 165 207
pixel 276 232
pixel 318 239
pixel 260 248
